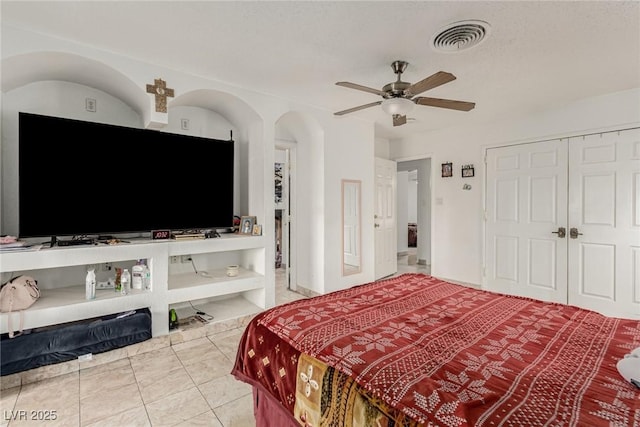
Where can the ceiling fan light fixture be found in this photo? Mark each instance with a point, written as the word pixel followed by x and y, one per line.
pixel 400 106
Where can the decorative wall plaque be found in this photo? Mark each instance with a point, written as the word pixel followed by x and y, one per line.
pixel 447 170
pixel 161 91
pixel 467 171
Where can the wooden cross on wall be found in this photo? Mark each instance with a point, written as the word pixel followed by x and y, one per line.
pixel 161 91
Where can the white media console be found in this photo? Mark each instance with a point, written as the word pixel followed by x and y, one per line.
pixel 61 271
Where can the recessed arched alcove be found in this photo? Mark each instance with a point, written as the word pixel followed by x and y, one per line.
pixel 20 70
pixel 64 85
pixel 216 114
pixel 306 133
pixel 234 109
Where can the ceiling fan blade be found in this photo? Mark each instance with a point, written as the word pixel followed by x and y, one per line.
pixel 360 87
pixel 361 107
pixel 434 80
pixel 445 103
pixel 399 120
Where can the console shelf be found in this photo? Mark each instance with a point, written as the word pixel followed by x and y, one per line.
pixel 232 307
pixel 76 255
pixel 171 283
pixel 71 300
pixel 192 286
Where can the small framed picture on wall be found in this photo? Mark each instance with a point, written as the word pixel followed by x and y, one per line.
pixel 447 170
pixel 467 171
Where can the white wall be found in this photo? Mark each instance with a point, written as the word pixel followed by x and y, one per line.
pixel 347 155
pixel 457 249
pixel 381 148
pixel 346 149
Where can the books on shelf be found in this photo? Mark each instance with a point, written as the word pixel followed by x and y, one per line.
pixel 189 236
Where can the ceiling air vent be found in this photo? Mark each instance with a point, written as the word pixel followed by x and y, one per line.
pixel 460 36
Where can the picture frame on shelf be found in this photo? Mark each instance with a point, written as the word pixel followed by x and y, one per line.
pixel 447 170
pixel 468 171
pixel 246 224
pixel 257 230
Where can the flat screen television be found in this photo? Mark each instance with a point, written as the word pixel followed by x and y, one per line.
pixel 80 178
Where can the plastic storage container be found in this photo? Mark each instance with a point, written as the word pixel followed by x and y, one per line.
pixel 138 275
pixel 125 282
pixel 90 284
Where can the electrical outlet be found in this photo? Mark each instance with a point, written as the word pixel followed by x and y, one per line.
pixel 106 266
pixel 186 258
pixel 174 259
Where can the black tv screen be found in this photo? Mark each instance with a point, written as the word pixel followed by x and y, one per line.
pixel 83 178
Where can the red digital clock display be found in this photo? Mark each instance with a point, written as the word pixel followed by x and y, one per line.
pixel 160 234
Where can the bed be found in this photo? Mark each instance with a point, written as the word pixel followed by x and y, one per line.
pixel 415 350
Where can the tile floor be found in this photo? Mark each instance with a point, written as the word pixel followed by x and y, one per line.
pixel 185 384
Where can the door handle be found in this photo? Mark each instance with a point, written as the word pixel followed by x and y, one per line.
pixel 562 232
pixel 376 225
pixel 573 233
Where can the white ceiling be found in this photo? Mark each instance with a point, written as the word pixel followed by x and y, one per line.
pixel 539 54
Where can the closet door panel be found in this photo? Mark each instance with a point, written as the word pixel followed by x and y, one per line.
pixel 603 206
pixel 597 275
pixel 598 199
pixel 526 205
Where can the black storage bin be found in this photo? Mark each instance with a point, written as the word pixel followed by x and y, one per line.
pixel 60 343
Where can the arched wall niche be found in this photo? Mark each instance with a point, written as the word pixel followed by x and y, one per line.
pixel 52 98
pixel 234 109
pixel 216 115
pixel 21 70
pixel 307 134
pixel 59 83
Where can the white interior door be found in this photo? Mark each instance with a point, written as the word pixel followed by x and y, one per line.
pixel 526 250
pixel 604 209
pixel 386 259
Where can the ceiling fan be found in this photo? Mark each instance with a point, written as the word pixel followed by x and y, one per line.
pixel 400 97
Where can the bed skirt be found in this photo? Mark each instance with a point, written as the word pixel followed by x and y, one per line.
pixel 270 413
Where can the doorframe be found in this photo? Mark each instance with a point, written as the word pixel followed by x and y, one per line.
pixel 290 148
pixel 430 157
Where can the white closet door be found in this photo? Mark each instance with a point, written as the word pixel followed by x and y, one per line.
pixel 604 207
pixel 526 207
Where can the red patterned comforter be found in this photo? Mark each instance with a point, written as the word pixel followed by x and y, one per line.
pixel 447 355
